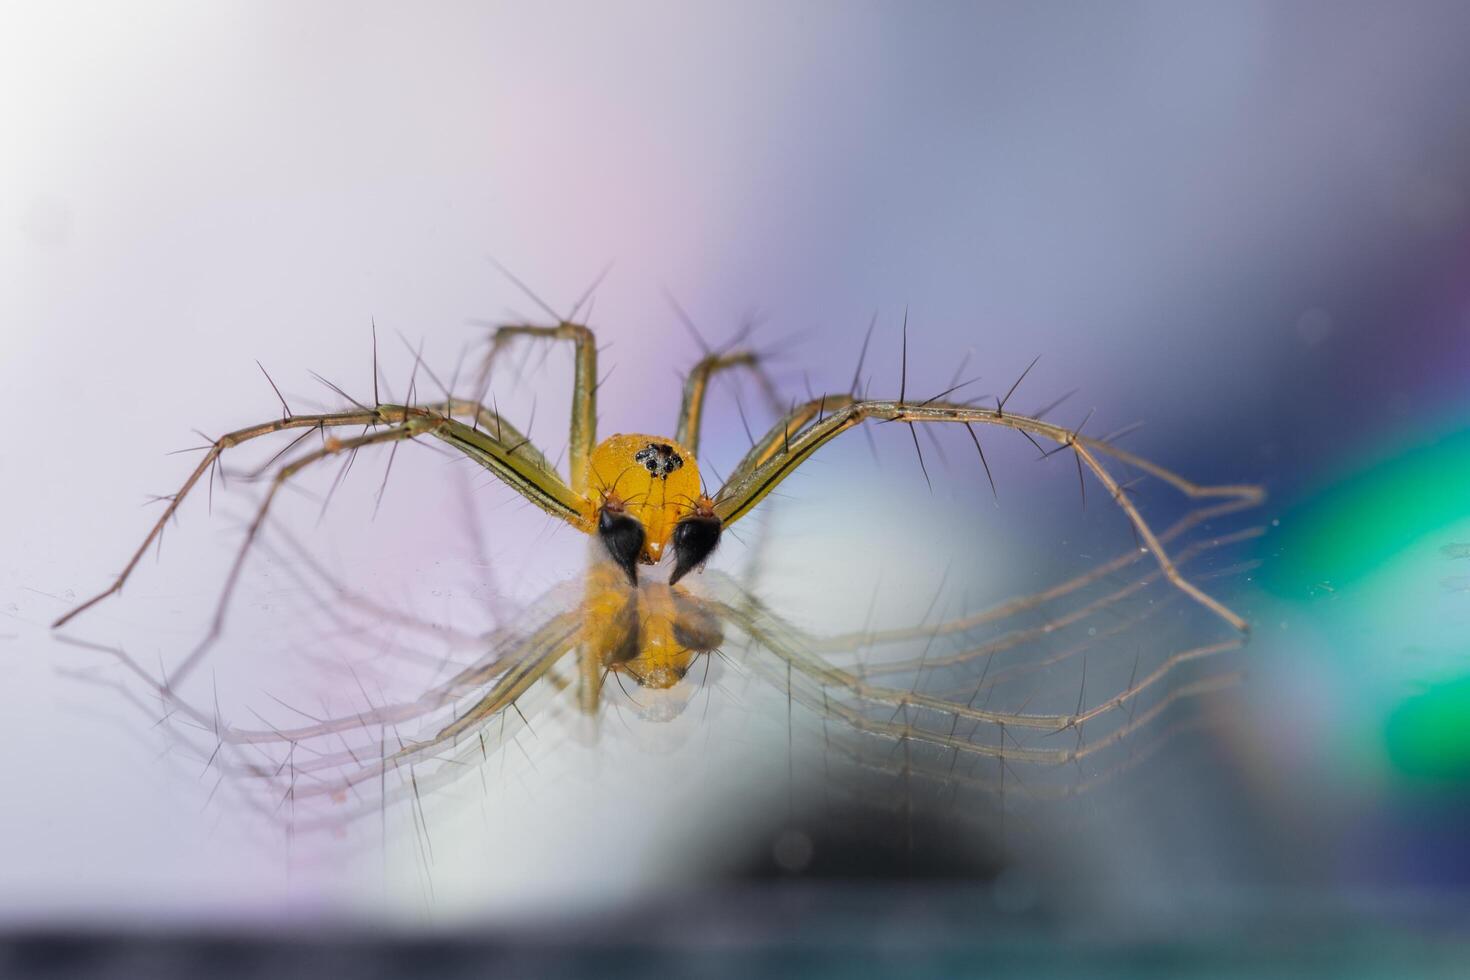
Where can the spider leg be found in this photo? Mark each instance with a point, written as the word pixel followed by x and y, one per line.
pixel 538 655
pixel 1019 637
pixel 515 672
pixel 1009 674
pixel 216 448
pixel 501 448
pixel 947 777
pixel 549 644
pixel 381 714
pixel 854 678
pixel 751 481
pixel 1020 604
pixel 826 676
pixel 777 440
pixel 696 386
pixel 517 464
pixel 522 469
pixel 482 416
pixel 333 771
pixel 584 386
pixel 505 452
pixel 521 473
pixel 332 447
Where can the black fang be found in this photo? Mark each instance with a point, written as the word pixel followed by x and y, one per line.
pixel 694 540
pixel 623 536
pixel 659 459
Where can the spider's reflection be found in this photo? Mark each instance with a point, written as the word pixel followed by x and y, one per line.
pixel 1046 695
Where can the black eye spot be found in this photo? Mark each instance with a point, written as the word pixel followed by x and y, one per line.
pixel 694 540
pixel 659 459
pixel 623 536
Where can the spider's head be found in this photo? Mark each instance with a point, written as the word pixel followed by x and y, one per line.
pixel 647 495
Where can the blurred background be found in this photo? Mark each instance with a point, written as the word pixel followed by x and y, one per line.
pixel 1246 225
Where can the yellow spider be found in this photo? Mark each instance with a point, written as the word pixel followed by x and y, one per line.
pixel 642 496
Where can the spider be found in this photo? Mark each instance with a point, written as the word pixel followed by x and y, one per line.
pixel 640 495
pixel 641 500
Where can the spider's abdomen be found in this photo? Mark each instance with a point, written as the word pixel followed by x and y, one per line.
pixel 651 478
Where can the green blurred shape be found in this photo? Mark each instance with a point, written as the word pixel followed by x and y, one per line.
pixel 1428 736
pixel 1355 526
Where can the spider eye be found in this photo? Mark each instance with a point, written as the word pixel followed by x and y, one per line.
pixel 622 535
pixel 694 539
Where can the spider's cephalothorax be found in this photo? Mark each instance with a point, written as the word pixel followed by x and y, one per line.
pixel 648 495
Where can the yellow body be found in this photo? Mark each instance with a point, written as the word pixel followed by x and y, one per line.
pixel 650 633
pixel 658 501
pixel 631 629
pixel 662 659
